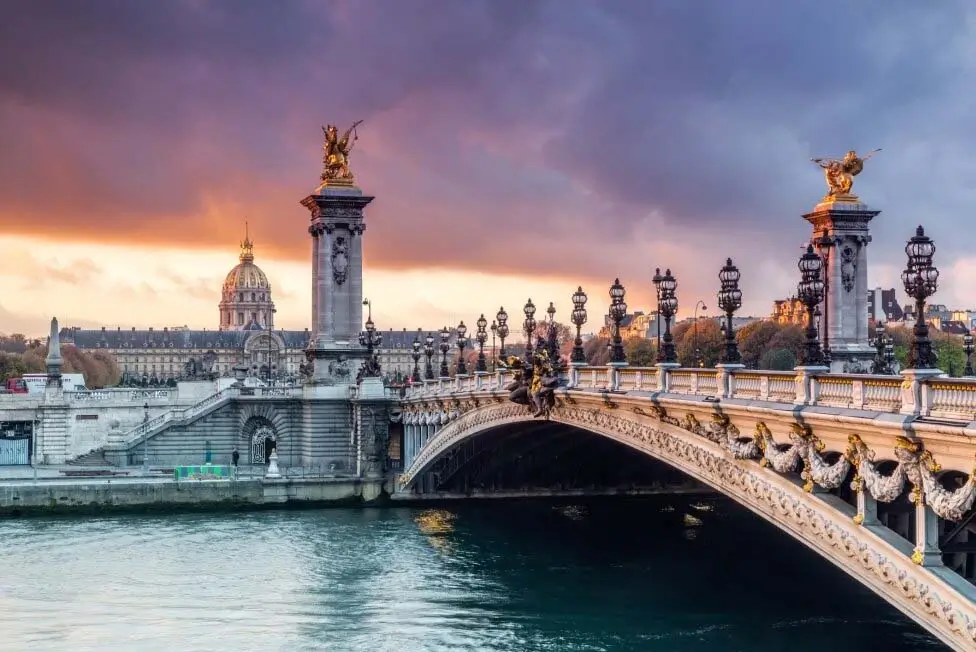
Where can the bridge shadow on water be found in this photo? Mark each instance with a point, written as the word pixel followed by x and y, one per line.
pixel 660 573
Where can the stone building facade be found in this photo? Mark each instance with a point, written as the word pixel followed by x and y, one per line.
pixel 245 336
pixel 789 311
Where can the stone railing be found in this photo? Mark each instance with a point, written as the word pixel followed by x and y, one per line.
pixel 935 397
pixel 121 395
pixel 149 427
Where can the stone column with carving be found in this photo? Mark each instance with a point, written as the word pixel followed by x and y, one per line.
pixel 337 225
pixel 844 220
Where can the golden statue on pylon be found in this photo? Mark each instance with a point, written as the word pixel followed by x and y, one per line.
pixel 840 174
pixel 335 158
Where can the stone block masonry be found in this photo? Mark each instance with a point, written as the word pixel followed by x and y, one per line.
pixel 151 494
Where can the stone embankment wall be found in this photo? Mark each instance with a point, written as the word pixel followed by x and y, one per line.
pixel 85 497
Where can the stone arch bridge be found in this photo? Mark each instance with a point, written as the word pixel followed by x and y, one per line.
pixel 873 473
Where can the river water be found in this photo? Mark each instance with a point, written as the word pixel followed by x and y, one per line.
pixel 668 574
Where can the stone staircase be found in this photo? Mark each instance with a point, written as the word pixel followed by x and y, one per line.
pixel 152 427
pixel 91 458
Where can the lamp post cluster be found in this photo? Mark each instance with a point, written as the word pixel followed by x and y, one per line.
pixel 884 356
pixel 462 341
pixel 501 319
pixel 481 336
pixel 824 244
pixel 445 345
pixel 667 307
pixel 810 291
pixel 372 340
pixel 921 280
pixel 578 317
pixel 618 310
pixel 528 326
pixel 729 300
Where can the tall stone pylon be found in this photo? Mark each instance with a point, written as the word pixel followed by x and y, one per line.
pixel 53 361
pixel 840 228
pixel 337 227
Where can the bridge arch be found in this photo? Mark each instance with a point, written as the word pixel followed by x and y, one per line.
pixel 823 522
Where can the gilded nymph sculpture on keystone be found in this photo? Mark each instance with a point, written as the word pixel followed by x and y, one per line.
pixel 533 384
pixel 840 173
pixel 335 159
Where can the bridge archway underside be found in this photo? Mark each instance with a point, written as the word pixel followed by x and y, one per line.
pixel 547 456
pixel 793 472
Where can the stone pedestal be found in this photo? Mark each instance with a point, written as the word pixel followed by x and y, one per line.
pixel 273 471
pixel 726 378
pixel 336 228
pixel 371 427
pixel 845 221
pixel 805 391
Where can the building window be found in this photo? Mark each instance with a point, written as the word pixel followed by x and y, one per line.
pixel 254 317
pixel 240 319
pixel 252 296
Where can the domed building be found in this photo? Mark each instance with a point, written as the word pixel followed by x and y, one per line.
pixel 245 337
pixel 245 298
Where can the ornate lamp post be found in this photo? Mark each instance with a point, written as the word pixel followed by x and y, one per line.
pixel 668 307
pixel 494 353
pixel 967 346
pixel 729 300
pixel 578 318
pixel 482 337
pixel 502 318
pixel 528 326
pixel 371 340
pixel 699 362
pixel 921 280
pixel 552 334
pixel 462 341
pixel 810 291
pixel 445 347
pixel 825 243
pixel 416 346
pixel 618 310
pixel 429 352
pixel 656 280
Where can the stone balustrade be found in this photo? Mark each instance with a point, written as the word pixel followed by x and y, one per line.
pixel 934 398
pixel 121 395
pixel 151 426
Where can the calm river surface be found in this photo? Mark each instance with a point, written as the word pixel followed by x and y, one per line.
pixel 607 575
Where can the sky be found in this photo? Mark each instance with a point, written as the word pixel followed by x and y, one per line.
pixel 516 148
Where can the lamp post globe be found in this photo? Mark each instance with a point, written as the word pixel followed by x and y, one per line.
pixel 810 291
pixel 501 318
pixel 429 353
pixel 578 317
pixel 462 341
pixel 445 336
pixel 729 300
pixel 482 337
pixel 528 326
pixel 668 308
pixel 921 281
pixel 618 310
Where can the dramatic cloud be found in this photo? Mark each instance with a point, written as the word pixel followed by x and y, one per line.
pixel 561 137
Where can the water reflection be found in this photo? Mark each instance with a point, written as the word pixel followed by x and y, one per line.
pixel 608 575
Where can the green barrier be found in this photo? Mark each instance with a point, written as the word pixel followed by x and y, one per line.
pixel 204 472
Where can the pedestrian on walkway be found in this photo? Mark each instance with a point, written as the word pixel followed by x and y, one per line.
pixel 235 457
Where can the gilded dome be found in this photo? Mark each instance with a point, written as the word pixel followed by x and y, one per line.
pixel 246 275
